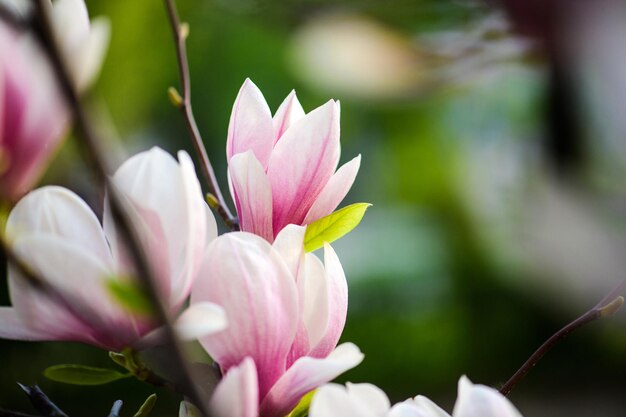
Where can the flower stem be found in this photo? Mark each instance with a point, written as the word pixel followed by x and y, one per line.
pixel 180 32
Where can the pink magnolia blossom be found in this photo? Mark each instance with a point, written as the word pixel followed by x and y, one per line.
pixel 33 116
pixel 286 311
pixel 58 235
pixel 282 169
pixel 366 400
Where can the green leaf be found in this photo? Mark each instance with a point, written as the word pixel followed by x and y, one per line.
pixel 129 295
pixel 302 409
pixel 82 375
pixel 332 227
pixel 146 407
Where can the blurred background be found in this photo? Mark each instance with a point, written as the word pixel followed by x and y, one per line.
pixel 494 155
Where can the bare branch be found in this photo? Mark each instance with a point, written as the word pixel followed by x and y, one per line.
pixel 605 308
pixel 91 145
pixel 180 32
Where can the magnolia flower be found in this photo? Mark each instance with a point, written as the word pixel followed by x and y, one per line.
pixel 33 115
pixel 237 394
pixel 282 169
pixel 286 311
pixel 83 43
pixel 60 238
pixel 366 400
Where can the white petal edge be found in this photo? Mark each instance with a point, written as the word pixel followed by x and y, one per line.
pixel 201 319
pixel 333 400
pixel 475 400
pixel 335 191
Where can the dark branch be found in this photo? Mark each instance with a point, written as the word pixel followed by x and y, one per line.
pixel 180 33
pixel 605 308
pixel 91 145
pixel 41 402
pixel 12 18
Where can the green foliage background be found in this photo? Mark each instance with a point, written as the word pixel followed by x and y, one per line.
pixel 438 288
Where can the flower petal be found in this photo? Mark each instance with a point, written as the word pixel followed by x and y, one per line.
pixel 407 410
pixel 290 244
pixel 481 401
pixel 333 400
pixel 336 293
pixel 305 375
pixel 91 53
pixel 12 327
pixel 169 212
pixel 188 410
pixel 57 211
pixel 251 126
pixel 303 161
pixel 237 395
pixel 250 280
pixel 70 23
pixel 289 112
pixel 201 319
pixel 252 195
pixel 370 396
pixel 334 191
pixel 80 275
pixel 429 408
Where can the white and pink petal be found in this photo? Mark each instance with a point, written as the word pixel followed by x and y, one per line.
pixel 251 126
pixel 237 394
pixel 252 283
pixel 252 194
pixel 305 375
pixel 335 191
pixel 303 161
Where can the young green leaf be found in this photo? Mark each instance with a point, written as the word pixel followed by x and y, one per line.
pixel 302 409
pixel 332 227
pixel 83 375
pixel 147 406
pixel 129 295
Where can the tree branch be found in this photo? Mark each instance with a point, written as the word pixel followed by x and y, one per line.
pixel 180 33
pixel 605 308
pixel 91 145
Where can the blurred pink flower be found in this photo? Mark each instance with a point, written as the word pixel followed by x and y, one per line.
pixel 58 235
pixel 33 116
pixel 286 311
pixel 282 169
pixel 82 42
pixel 367 400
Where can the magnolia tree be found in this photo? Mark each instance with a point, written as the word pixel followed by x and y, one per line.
pixel 153 271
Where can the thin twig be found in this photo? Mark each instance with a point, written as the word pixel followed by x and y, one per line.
pixel 605 308
pixel 41 402
pixel 180 34
pixel 91 145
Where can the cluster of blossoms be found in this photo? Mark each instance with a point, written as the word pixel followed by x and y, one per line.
pixel 266 310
